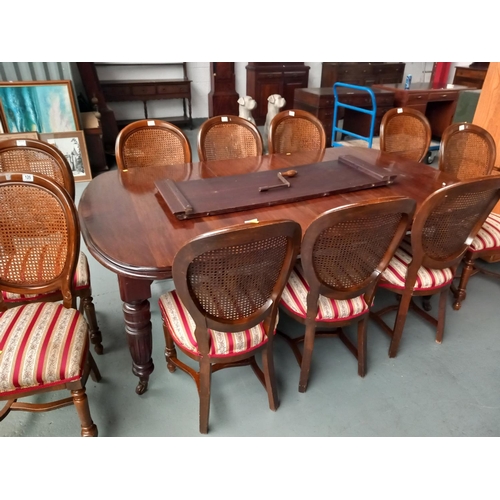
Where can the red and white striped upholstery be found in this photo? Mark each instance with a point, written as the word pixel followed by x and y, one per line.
pixel 41 344
pixel 182 326
pixel 294 298
pixel 81 281
pixel 488 236
pixel 427 279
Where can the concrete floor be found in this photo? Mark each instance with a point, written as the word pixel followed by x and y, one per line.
pixel 452 389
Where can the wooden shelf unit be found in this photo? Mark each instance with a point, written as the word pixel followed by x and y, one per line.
pixel 149 90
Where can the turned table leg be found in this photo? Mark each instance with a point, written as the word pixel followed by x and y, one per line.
pixel 135 294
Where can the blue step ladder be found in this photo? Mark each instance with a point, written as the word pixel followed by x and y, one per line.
pixel 369 111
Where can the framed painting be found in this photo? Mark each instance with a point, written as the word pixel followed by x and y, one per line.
pixel 72 145
pixel 44 107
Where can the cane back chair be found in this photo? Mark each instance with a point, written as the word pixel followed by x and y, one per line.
pixel 228 137
pixel 405 132
pixel 146 143
pixel 426 261
pixel 469 151
pixel 38 157
pixel 224 308
pixel 44 346
pixel 343 253
pixel 295 130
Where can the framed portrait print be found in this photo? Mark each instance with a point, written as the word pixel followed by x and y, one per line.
pixel 44 107
pixel 73 147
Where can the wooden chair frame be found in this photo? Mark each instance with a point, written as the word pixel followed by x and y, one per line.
pixel 217 121
pixel 461 129
pixel 237 235
pixel 64 176
pixel 142 125
pixel 64 283
pixel 463 233
pixel 482 167
pixel 381 209
pixel 278 124
pixel 402 113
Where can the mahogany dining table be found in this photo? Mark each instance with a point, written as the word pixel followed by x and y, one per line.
pixel 129 228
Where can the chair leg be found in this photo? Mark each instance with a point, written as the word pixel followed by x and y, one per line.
pixel 170 351
pixel 460 293
pixel 270 377
pixel 399 324
pixel 95 333
pixel 94 370
pixel 362 325
pixel 307 355
pixel 443 298
pixel 89 429
pixel 205 380
pixel 426 303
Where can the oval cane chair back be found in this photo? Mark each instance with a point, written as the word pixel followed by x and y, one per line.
pixel 343 253
pixel 37 157
pixel 295 130
pixel 39 236
pixel 227 288
pixel 45 346
pixel 467 151
pixel 405 132
pixel 147 143
pixel 228 137
pixel 449 219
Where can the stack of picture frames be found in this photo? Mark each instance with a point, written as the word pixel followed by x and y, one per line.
pixel 45 110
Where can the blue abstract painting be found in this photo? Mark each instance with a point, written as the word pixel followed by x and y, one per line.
pixel 40 108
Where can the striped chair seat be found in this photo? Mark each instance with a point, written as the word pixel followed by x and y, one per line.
pixel 488 237
pixel 81 281
pixel 294 298
pixel 182 326
pixel 427 279
pixel 41 344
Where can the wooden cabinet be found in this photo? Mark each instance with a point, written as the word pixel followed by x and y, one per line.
pixel 364 74
pixel 471 76
pixel 265 79
pixel 223 98
pixel 148 90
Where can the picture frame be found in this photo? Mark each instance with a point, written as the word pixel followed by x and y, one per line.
pixel 72 145
pixel 47 106
pixel 20 135
pixel 3 125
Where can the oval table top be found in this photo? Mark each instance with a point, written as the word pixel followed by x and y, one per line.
pixel 129 228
